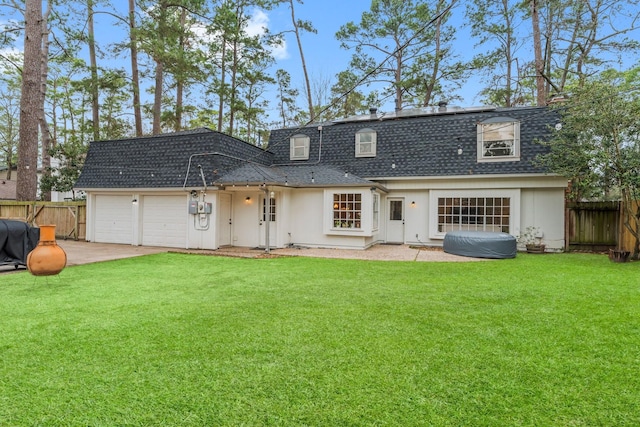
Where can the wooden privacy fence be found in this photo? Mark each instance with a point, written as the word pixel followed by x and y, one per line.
pixel 594 226
pixel 70 218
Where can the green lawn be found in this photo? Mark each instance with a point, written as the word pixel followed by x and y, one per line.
pixel 189 340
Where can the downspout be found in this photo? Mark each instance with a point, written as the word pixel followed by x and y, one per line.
pixel 267 215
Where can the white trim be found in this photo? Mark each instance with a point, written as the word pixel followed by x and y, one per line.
pixel 366 212
pixel 494 125
pixel 299 142
pixel 371 145
pixel 513 194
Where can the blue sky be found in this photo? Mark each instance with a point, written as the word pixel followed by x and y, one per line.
pixel 322 51
pixel 323 54
pixel 325 57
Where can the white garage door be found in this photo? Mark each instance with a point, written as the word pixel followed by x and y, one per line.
pixel 164 221
pixel 113 219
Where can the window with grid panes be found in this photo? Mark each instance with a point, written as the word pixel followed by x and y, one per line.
pixel 474 213
pixel 347 210
pixel 272 209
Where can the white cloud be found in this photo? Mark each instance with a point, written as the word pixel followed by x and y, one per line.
pixel 258 25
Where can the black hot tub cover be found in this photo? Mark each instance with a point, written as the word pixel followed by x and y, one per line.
pixel 480 244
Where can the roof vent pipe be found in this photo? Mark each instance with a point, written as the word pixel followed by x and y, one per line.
pixel 442 106
pixel 373 112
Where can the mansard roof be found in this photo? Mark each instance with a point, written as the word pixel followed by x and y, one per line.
pixel 419 145
pixel 413 143
pixel 166 161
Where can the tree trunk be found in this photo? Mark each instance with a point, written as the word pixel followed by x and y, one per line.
pixel 436 62
pixel 312 115
pixel 157 99
pixel 135 78
pixel 177 126
pixel 45 133
pixel 537 50
pixel 223 71
pixel 234 77
pixel 93 64
pixel 159 58
pixel 27 184
pixel 509 98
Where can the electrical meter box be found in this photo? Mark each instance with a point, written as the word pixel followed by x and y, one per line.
pixel 196 207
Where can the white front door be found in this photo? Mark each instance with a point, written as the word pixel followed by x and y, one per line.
pixel 395 220
pixel 270 219
pixel 224 219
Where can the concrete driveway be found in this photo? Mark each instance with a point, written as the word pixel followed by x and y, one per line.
pixel 80 252
pixel 85 252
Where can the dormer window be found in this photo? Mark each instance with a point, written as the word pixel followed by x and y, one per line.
pixel 299 147
pixel 366 143
pixel 499 140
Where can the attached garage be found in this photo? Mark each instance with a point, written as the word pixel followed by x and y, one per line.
pixel 113 219
pixel 164 221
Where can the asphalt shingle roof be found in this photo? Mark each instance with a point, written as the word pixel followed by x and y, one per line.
pixel 293 176
pixel 166 161
pixel 407 146
pixel 420 146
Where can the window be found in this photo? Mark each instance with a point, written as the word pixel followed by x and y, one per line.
pixel 474 213
pixel 499 140
pixel 395 210
pixel 272 209
pixel 376 211
pixel 366 143
pixel 299 147
pixel 347 210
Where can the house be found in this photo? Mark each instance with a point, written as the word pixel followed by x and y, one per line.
pixel 8 185
pixel 402 178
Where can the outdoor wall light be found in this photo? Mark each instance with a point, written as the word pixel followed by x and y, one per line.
pixel 413 204
pixel 247 199
pixel 134 201
pixel 459 150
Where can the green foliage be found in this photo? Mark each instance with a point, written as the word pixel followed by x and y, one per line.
pixel 598 144
pixel 347 100
pixel 9 119
pixel 70 156
pixel 494 24
pixel 405 45
pixel 188 340
pixel 286 95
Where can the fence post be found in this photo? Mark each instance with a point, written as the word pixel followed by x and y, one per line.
pixel 77 223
